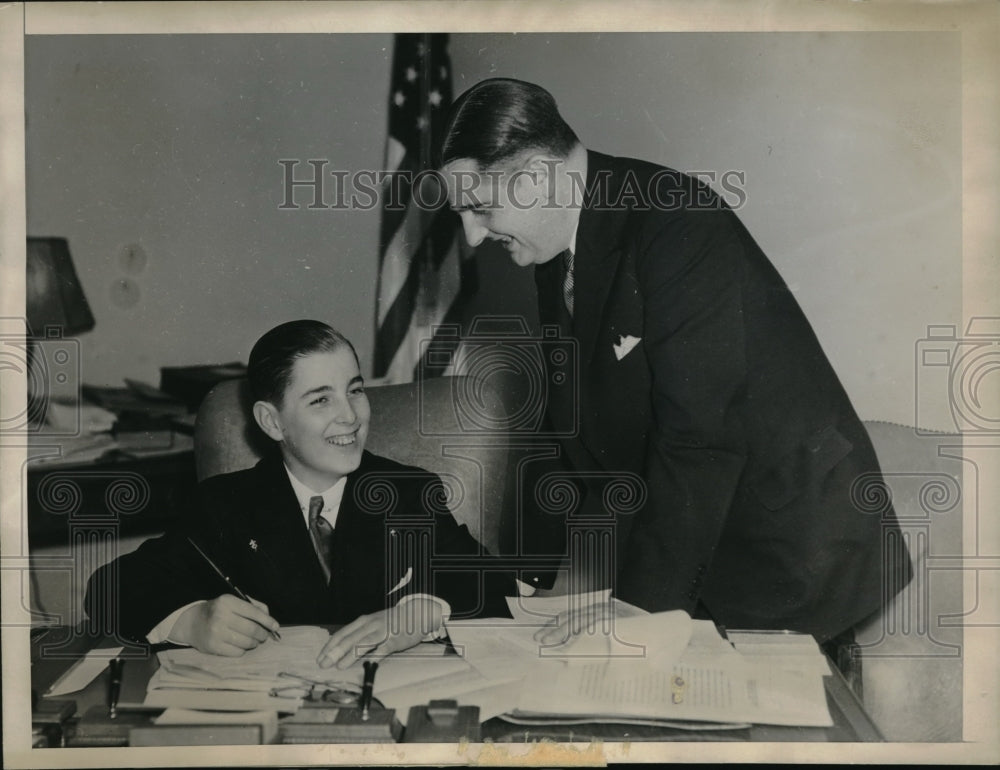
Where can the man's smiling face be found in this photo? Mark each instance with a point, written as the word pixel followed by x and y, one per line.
pixel 508 206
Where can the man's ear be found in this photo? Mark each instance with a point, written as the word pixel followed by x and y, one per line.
pixel 266 415
pixel 538 170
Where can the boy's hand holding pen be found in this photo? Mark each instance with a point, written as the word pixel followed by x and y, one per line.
pixel 229 625
pixel 226 625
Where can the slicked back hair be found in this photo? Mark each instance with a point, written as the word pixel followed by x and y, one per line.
pixel 274 355
pixel 500 118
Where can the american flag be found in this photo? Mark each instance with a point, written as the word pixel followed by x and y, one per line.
pixel 423 275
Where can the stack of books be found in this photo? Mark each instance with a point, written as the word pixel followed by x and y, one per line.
pixel 144 415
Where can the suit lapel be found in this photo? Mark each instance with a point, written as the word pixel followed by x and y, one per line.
pixel 598 253
pixel 596 264
pixel 359 546
pixel 284 539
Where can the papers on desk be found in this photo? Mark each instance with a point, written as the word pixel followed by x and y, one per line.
pixel 506 656
pixel 84 671
pixel 190 679
pixel 783 649
pixel 726 693
pixel 662 668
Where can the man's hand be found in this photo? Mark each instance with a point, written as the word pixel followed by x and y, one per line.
pixel 382 633
pixel 226 625
pixel 573 622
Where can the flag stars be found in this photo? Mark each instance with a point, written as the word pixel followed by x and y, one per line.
pixel 399 98
pixel 434 98
pixel 443 72
pixel 422 122
pixel 411 74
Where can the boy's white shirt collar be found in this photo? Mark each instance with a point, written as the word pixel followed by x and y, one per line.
pixel 331 498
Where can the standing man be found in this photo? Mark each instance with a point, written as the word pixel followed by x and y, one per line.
pixel 697 373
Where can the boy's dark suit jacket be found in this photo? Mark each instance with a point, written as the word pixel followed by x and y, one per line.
pixel 727 409
pixel 392 518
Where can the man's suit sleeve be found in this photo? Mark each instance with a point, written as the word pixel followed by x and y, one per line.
pixel 689 272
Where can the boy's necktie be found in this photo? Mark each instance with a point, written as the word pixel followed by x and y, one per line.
pixel 321 533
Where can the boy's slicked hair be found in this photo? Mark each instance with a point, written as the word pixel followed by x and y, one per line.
pixel 274 355
pixel 500 118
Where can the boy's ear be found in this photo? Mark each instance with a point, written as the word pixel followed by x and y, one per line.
pixel 266 415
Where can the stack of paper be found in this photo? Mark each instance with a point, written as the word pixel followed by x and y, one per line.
pixel 189 679
pixel 733 694
pixel 662 668
pixel 506 655
pixel 784 649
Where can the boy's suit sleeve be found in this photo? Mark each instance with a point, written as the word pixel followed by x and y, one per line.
pixel 135 592
pixel 473 587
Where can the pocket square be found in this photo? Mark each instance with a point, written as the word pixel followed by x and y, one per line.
pixel 625 345
pixel 403 582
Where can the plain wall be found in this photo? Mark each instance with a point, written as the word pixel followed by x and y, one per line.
pixel 850 145
pixel 173 143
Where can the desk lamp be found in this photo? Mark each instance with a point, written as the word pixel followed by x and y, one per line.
pixel 56 309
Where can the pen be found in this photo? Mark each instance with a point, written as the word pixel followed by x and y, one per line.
pixel 236 590
pixel 115 686
pixel 367 687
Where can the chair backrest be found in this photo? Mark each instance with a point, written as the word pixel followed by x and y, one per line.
pixel 417 424
pixel 911 651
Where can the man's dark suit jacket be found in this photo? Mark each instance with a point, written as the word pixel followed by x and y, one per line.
pixel 392 519
pixel 727 408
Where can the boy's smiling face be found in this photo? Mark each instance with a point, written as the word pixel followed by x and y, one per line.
pixel 322 420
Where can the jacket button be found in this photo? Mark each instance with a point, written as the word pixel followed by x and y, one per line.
pixel 692 595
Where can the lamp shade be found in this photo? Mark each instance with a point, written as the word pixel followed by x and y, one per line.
pixel 53 294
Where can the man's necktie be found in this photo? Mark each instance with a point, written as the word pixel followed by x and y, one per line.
pixel 568 281
pixel 321 533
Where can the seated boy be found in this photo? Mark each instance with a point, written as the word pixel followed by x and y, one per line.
pixel 310 534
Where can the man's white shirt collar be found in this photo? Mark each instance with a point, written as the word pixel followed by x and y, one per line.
pixel 331 498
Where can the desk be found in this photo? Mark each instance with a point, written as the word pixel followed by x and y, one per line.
pixel 851 723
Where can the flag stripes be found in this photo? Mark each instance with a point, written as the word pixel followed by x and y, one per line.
pixel 421 270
